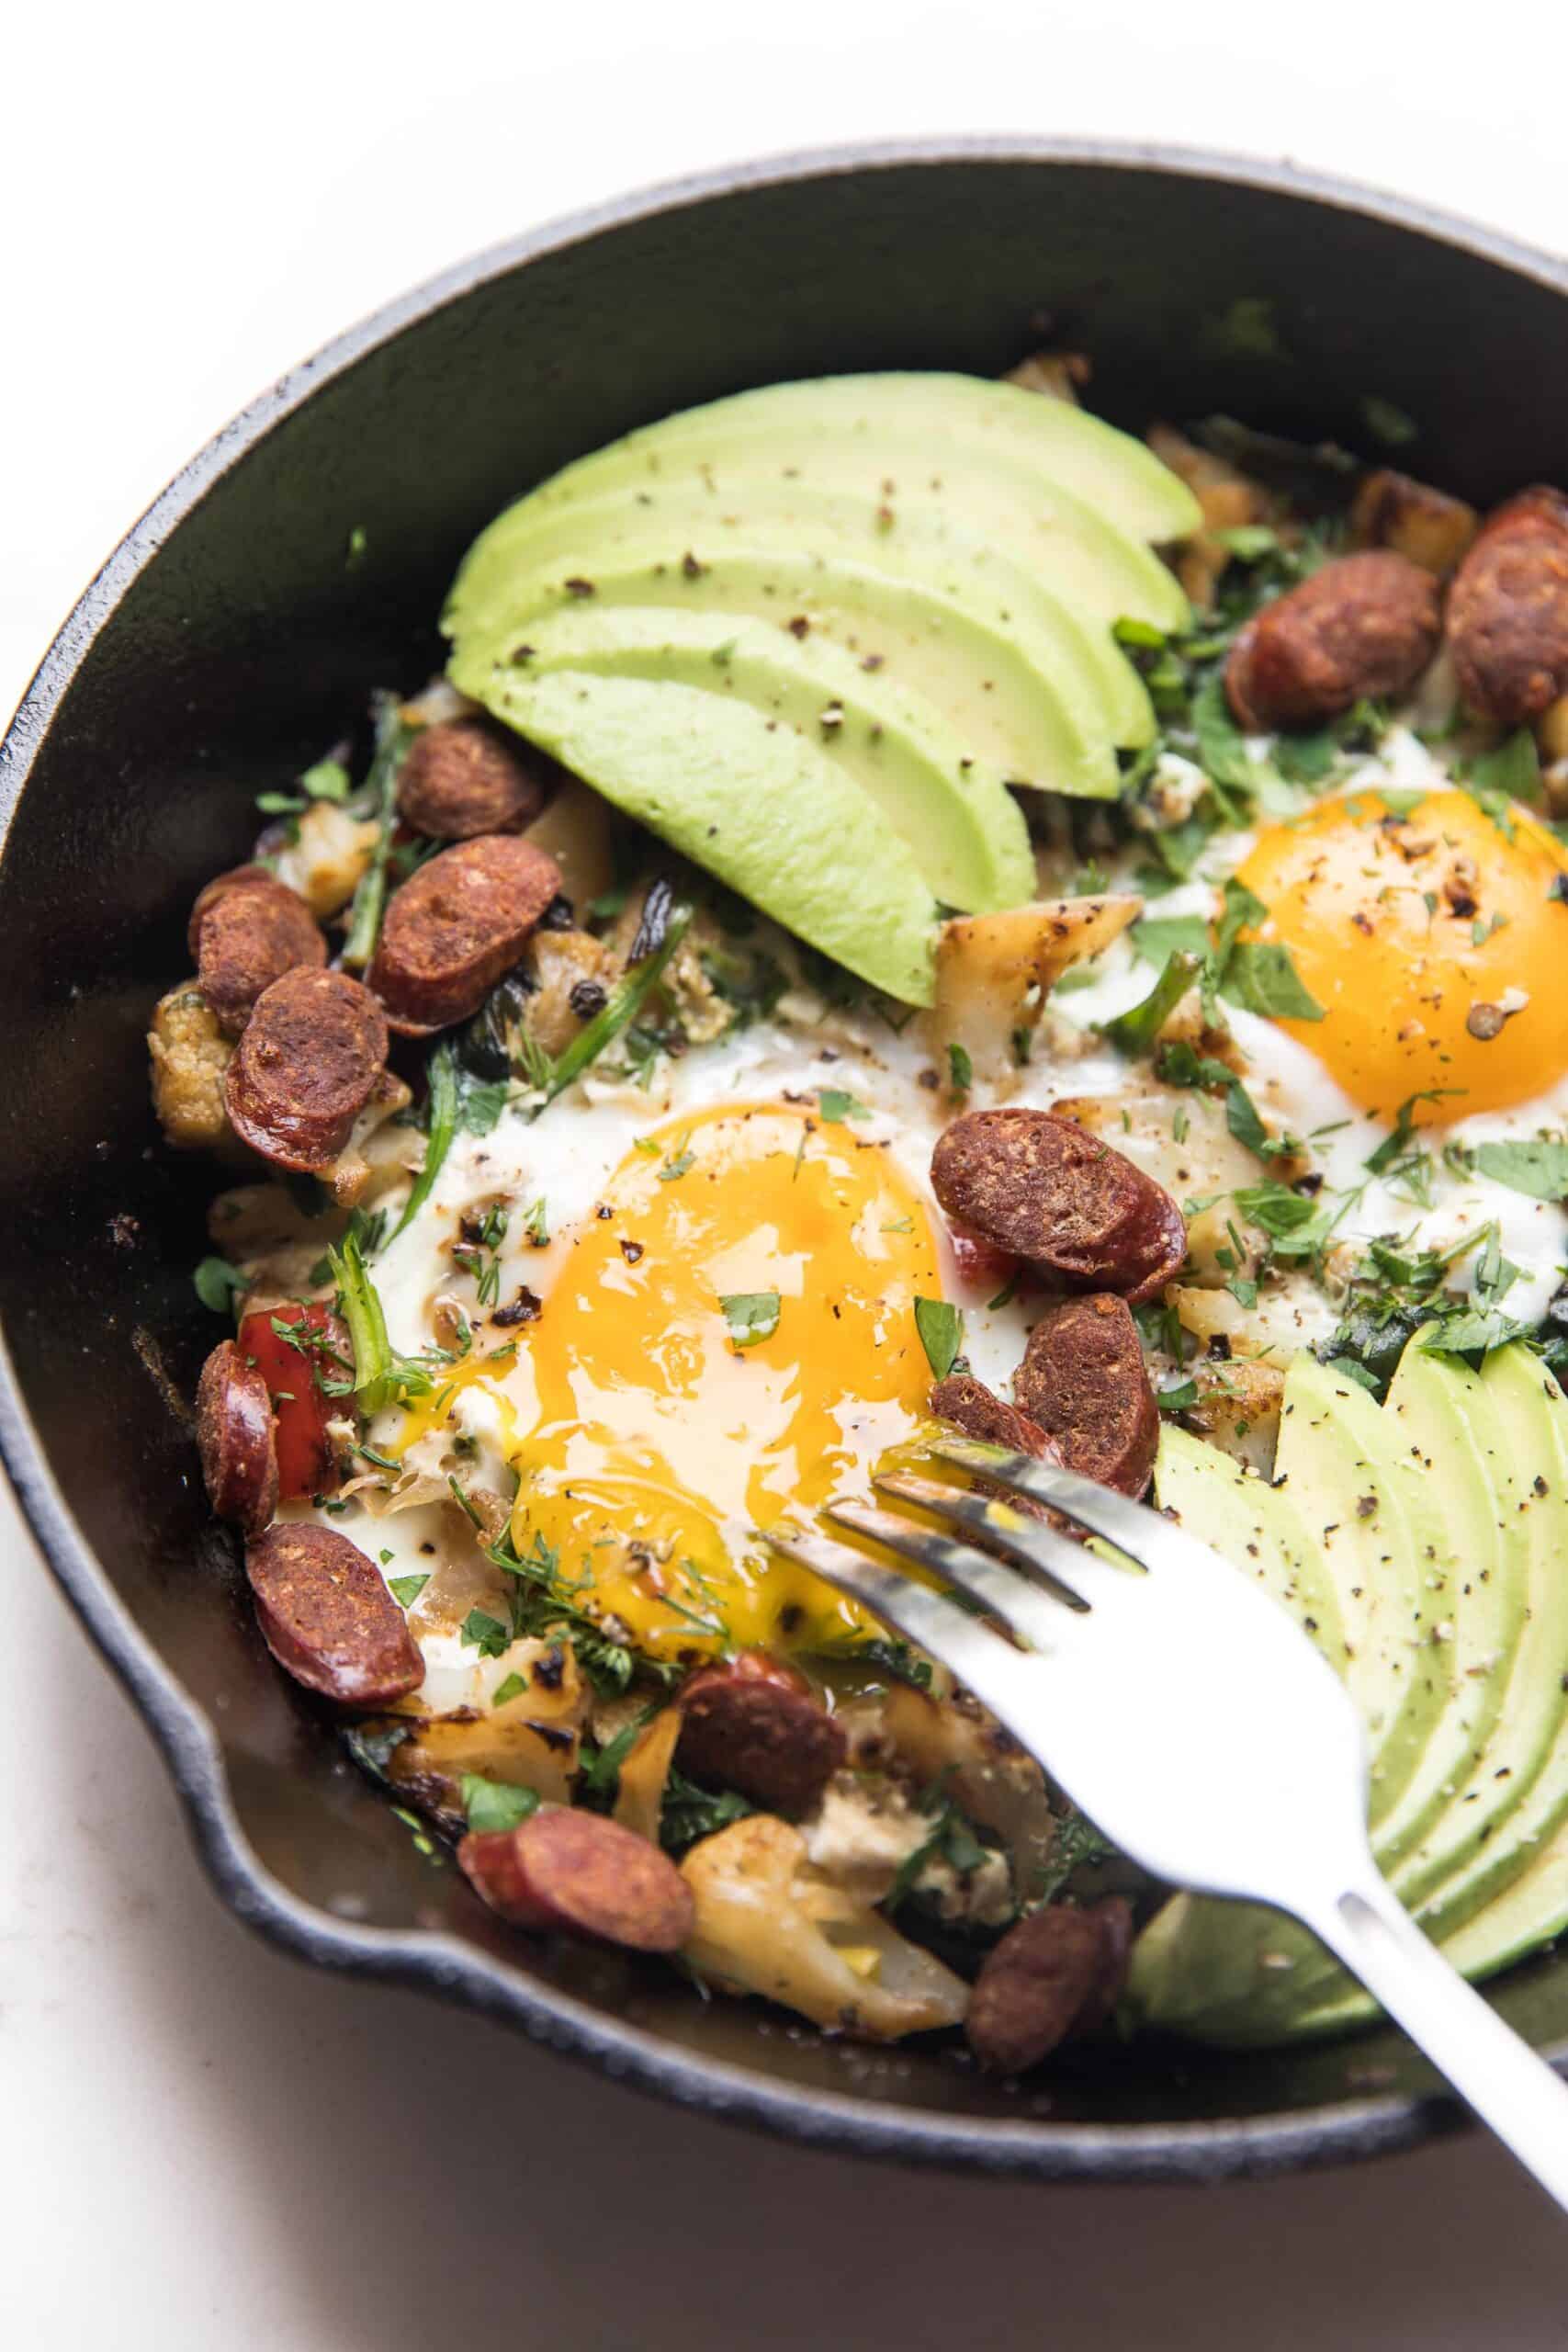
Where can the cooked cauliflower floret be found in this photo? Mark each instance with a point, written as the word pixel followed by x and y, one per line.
pixel 329 853
pixel 189 1055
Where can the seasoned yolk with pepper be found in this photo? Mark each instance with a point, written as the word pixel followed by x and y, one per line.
pixel 731 1338
pixel 1436 942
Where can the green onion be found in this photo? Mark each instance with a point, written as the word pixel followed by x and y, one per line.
pixel 393 738
pixel 443 1075
pixel 618 1011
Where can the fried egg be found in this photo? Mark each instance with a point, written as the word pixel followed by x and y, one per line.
pixel 1402 915
pixel 724 1335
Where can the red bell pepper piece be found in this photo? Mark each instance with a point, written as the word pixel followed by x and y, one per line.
pixel 295 1371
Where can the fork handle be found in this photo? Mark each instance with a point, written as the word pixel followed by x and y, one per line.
pixel 1512 2090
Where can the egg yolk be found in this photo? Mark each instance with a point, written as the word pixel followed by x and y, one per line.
pixel 732 1338
pixel 1435 942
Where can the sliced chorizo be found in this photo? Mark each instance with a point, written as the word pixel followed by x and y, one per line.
pixel 249 936
pixel 456 926
pixel 1055 1973
pixel 236 1438
pixel 575 1874
pixel 1364 624
pixel 1083 1379
pixel 751 1724
pixel 305 1067
pixel 234 877
pixel 459 780
pixel 1046 1189
pixel 1508 610
pixel 970 1406
pixel 328 1618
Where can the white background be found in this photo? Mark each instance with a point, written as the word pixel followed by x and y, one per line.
pixel 202 2145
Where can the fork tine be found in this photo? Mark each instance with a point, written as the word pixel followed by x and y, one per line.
pixel 978 1656
pixel 1130 1526
pixel 1050 1558
pixel 1024 1606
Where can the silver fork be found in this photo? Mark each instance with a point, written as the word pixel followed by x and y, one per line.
pixel 1197 1726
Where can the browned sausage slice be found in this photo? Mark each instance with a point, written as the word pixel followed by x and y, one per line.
pixel 249 936
pixel 970 1406
pixel 1047 1189
pixel 1363 625
pixel 751 1724
pixel 576 1873
pixel 328 1618
pixel 1083 1379
pixel 1508 610
pixel 236 1437
pixel 1048 1971
pixel 460 780
pixel 456 927
pixel 235 877
pixel 305 1067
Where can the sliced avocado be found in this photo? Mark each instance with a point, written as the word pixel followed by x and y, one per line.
pixel 963 828
pixel 1227 1972
pixel 801 840
pixel 518 563
pixel 1080 558
pixel 1476 1841
pixel 1382 1534
pixel 1119 476
pixel 1491 1882
pixel 1033 693
pixel 1449 1426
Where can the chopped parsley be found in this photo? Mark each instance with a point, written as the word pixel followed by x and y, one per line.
pixel 495 1804
pixel 752 1315
pixel 940 1327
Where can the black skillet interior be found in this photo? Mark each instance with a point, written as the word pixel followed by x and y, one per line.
pixel 303 560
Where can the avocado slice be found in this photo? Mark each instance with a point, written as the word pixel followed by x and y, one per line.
pixel 523 559
pixel 1030 690
pixel 988 494
pixel 1490 1881
pixel 1382 1536
pixel 963 828
pixel 1227 1972
pixel 1449 1427
pixel 1475 1842
pixel 754 803
pixel 1094 569
pixel 933 412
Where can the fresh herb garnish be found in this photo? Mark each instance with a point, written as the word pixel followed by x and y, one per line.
pixel 495 1804
pixel 1538 1167
pixel 940 1327
pixel 219 1285
pixel 960 1068
pixel 837 1107
pixel 752 1315
pixel 405 1591
pixel 690 1813
pixel 482 1632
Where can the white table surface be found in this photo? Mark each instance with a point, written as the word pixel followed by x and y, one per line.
pixel 202 2144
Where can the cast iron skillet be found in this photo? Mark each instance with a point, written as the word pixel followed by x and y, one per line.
pixel 300 558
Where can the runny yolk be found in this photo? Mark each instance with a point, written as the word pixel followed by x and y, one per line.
pixel 1434 940
pixel 658 1427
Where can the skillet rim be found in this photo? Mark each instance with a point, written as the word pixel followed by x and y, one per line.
pixel 439 1963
